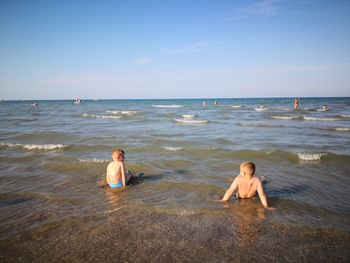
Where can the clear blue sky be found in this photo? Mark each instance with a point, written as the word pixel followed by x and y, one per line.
pixel 174 49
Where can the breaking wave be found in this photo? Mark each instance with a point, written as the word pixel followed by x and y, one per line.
pixel 34 146
pixel 311 156
pixel 100 116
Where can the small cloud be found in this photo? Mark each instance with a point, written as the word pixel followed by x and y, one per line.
pixel 259 8
pixel 142 61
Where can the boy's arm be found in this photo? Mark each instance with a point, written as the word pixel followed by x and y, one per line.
pixel 231 190
pixel 107 175
pixel 262 195
pixel 123 174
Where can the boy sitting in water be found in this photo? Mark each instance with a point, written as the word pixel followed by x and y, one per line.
pixel 115 175
pixel 246 185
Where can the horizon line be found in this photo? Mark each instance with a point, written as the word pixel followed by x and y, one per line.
pixel 183 98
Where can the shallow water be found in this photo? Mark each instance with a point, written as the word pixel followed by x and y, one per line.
pixel 53 156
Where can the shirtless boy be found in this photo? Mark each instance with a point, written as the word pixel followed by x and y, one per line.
pixel 246 185
pixel 115 175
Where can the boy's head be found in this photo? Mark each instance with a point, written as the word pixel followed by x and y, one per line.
pixel 118 155
pixel 247 168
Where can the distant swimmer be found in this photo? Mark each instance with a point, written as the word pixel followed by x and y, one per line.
pixel 325 107
pixel 260 108
pixel 204 103
pixel 296 103
pixel 77 101
pixel 246 185
pixel 215 102
pixel 35 104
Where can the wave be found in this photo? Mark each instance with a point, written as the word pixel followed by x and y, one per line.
pixel 255 125
pixel 128 113
pixel 188 116
pixel 170 148
pixel 34 146
pixel 306 118
pixel 167 106
pixel 342 129
pixel 311 156
pixel 319 119
pixel 191 121
pixel 345 116
pixel 287 117
pixel 100 116
pixel 93 160
pixel 260 109
pixel 236 106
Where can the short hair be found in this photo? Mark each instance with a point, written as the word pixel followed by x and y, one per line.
pixel 118 151
pixel 248 165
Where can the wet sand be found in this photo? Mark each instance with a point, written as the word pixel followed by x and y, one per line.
pixel 240 233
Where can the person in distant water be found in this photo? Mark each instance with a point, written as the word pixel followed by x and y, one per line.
pixel 116 175
pixel 77 101
pixel 325 107
pixel 246 185
pixel 204 103
pixel 215 102
pixel 261 107
pixel 296 103
pixel 35 104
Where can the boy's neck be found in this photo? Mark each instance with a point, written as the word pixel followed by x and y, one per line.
pixel 246 176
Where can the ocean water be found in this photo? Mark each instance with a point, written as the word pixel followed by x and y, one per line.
pixel 53 207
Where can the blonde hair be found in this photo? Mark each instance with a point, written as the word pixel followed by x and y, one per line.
pixel 249 166
pixel 118 151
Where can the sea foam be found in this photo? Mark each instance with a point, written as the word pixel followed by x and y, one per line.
pixel 93 160
pixel 319 119
pixel 170 148
pixel 35 146
pixel 287 117
pixel 128 113
pixel 191 121
pixel 188 116
pixel 100 116
pixel 342 129
pixel 311 156
pixel 167 106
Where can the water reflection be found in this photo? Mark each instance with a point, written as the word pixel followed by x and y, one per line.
pixel 247 217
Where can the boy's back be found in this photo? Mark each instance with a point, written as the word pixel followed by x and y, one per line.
pixel 246 185
pixel 247 188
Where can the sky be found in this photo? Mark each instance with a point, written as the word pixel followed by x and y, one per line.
pixel 128 49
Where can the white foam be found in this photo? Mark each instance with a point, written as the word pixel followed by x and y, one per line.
pixel 260 109
pixel 286 117
pixel 311 156
pixel 191 121
pixel 319 119
pixel 100 116
pixel 342 129
pixel 35 146
pixel 236 106
pixel 167 106
pixel 345 116
pixel 128 113
pixel 170 148
pixel 93 160
pixel 188 116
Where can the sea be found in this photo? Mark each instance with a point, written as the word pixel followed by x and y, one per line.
pixel 55 206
